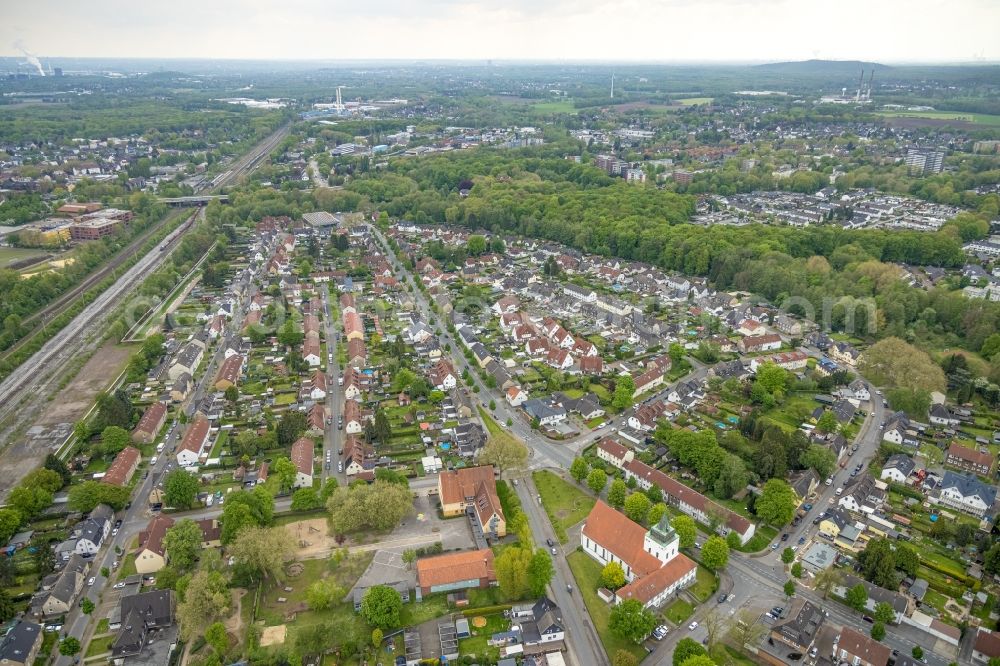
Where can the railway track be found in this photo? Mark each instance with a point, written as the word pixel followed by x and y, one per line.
pixel 24 392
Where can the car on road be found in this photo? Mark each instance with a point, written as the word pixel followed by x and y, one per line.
pixel 802 540
pixel 115 565
pixel 92 580
pixel 660 632
pixel 693 626
pixel 774 546
pixel 784 537
pixel 829 481
pixel 120 585
pixel 722 598
pixel 554 551
pixel 340 467
pixel 840 491
pixel 869 619
pixel 114 532
pixel 550 543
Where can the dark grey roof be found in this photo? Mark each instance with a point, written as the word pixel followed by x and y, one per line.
pixel 802 624
pixel 901 462
pixel 969 485
pixel 19 641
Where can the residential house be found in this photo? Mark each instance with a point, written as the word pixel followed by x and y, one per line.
pixel 442 376
pixel 654 568
pixel 142 616
pixel 540 623
pixel 986 646
pixel 844 352
pixel 897 468
pixel 473 488
pixel 302 458
pixel 20 645
pixel 181 387
pixel 317 390
pixel 149 425
pixel 91 532
pixel 861 391
pixel 229 372
pixel 969 460
pixel 856 649
pixel 864 494
pixel 151 555
pixel 123 467
pixel 516 397
pixel 613 452
pixel 195 439
pixel 456 571
pixel 835 520
pixel 876 595
pixel 186 361
pixel 352 417
pixel 544 411
pixel 966 493
pixel 800 627
pixel 61 595
pixel 760 343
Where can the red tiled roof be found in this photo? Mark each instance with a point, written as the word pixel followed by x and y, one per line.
pixel 151 538
pixel 621 536
pixel 151 418
pixel 195 436
pixel 455 567
pixel 647 587
pixel 122 467
pixel 302 455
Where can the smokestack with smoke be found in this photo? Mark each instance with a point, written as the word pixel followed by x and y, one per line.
pixel 31 57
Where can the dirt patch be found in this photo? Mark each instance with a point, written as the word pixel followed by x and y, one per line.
pixel 273 635
pixel 72 402
pixel 311 538
pixel 234 623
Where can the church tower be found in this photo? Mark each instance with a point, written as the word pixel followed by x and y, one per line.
pixel 661 541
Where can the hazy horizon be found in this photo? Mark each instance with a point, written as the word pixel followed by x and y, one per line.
pixel 674 31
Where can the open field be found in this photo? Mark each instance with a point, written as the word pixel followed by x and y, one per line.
pixel 960 116
pixel 561 106
pixel 587 573
pixel 9 255
pixel 695 101
pixel 565 505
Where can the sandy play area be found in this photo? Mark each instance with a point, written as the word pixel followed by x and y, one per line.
pixel 310 538
pixel 273 635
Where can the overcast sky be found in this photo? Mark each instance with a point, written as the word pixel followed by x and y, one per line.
pixel 668 30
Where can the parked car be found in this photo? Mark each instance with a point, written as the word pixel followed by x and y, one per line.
pixel 722 598
pixel 693 626
pixel 92 580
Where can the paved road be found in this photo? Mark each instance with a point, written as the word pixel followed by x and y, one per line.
pixel 332 436
pixel 583 643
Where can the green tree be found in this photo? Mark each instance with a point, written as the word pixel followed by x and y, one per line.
pixel 511 567
pixel 787 555
pixel 624 658
pixel 617 493
pixel 180 489
pixel 884 613
pixel 10 522
pixel 622 398
pixel 685 649
pixel 183 544
pixel 637 506
pixel 113 440
pixel 597 479
pixel 476 245
pixel 55 464
pixel 86 496
pixel 540 572
pixel 686 530
pixel 377 638
pixel 379 506
pixel 202 598
pixel 306 499
pixel 797 569
pixel 324 594
pixel 776 504
pixel 612 576
pixel 69 646
pixel 819 458
pixel 878 631
pixel 827 579
pixel 217 637
pixel 630 621
pixel 917 652
pixel 86 606
pixel 789 587
pixel 827 422
pixel 29 501
pixel 381 607
pixel 715 553
pixel 261 551
pixel 771 377
pixel 292 424
pixel 284 472
pixel 579 469
pixel 655 513
pixel 505 454
pixel 7 607
pixel 857 597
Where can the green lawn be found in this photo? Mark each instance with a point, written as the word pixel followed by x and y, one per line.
pixel 495 430
pixel 476 646
pixel 762 537
pixel 561 106
pixel 678 611
pixel 565 504
pixel 99 645
pixel 9 255
pixel 587 572
pixel 705 585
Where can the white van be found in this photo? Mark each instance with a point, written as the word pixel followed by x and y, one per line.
pixel 840 491
pixel 152 461
pixel 159 447
pixel 210 500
